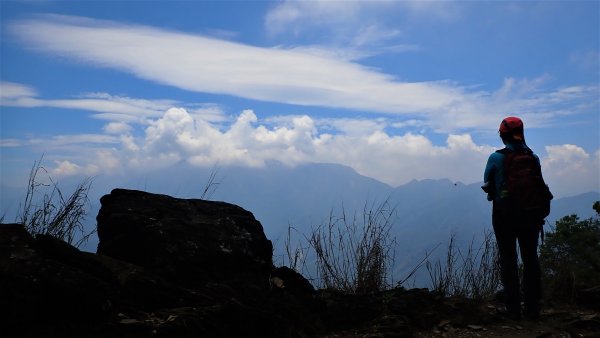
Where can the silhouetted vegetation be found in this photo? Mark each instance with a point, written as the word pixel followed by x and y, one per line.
pixel 211 184
pixel 47 210
pixel 295 253
pixel 474 273
pixel 354 254
pixel 570 257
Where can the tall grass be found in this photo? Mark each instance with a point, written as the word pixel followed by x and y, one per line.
pixel 296 250
pixel 473 274
pixel 354 254
pixel 47 210
pixel 211 184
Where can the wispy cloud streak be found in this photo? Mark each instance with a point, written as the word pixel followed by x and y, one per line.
pixel 205 64
pixel 106 106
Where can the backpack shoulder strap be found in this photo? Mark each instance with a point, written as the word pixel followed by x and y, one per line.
pixel 506 151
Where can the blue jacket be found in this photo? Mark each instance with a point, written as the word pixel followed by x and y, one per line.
pixel 494 169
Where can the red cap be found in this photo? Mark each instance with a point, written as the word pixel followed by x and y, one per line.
pixel 511 124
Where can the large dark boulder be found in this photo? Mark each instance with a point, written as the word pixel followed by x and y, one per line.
pixel 218 251
pixel 190 241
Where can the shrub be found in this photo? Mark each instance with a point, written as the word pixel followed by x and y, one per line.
pixel 570 256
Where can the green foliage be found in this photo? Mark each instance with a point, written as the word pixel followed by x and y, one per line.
pixel 570 256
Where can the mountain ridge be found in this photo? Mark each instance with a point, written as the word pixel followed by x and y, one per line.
pixel 428 211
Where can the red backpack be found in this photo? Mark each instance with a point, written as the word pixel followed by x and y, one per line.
pixel 524 185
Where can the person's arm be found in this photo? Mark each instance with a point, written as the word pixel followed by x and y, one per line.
pixel 489 182
pixel 490 168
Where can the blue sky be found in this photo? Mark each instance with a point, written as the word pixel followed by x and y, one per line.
pixel 397 90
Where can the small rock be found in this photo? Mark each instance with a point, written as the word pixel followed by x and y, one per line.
pixel 277 282
pixel 443 323
pixel 475 327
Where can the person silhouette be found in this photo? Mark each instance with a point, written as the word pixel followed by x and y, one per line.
pixel 514 224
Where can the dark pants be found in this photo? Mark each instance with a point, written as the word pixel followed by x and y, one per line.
pixel 509 229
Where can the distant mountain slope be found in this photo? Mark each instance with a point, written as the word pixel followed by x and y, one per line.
pixel 428 211
pixel 580 205
pixel 301 196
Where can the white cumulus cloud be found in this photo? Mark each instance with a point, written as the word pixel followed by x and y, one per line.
pixel 364 145
pixel 569 169
pixel 117 128
pixel 65 168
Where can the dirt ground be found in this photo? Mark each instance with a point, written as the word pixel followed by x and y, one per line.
pixel 553 323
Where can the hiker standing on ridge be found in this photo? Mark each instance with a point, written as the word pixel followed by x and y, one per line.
pixel 521 200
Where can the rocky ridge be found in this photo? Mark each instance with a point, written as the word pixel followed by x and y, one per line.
pixel 168 267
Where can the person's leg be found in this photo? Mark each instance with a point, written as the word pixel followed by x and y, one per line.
pixel 506 239
pixel 532 285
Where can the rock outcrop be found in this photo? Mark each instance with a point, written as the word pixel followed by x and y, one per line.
pixel 165 267
pixel 190 241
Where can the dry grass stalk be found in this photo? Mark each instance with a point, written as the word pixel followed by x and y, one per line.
pixel 474 274
pixel 354 255
pixel 54 213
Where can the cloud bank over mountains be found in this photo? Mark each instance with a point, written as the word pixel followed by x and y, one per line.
pixel 132 143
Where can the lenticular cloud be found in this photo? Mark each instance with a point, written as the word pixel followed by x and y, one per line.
pixel 204 64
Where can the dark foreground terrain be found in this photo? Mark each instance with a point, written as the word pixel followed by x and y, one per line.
pixel 168 267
